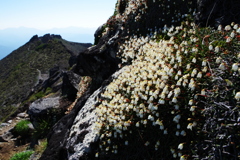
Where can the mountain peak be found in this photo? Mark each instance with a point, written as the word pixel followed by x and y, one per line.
pixel 45 38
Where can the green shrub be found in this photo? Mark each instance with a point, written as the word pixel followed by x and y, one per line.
pixel 43 128
pixel 22 128
pixel 22 155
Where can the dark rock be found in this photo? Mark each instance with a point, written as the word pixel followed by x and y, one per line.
pixel 57 138
pixel 34 38
pixel 70 85
pixel 216 12
pixel 98 33
pixel 2 140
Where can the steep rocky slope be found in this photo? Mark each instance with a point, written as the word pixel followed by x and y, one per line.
pixel 155 86
pixel 29 65
pixel 175 94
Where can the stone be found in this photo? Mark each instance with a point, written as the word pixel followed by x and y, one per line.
pixel 7 136
pixel 42 108
pixel 4 124
pixel 22 115
pixel 10 121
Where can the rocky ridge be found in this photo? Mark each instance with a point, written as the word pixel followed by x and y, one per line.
pixel 30 66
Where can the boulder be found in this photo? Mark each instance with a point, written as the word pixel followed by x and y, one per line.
pixel 42 109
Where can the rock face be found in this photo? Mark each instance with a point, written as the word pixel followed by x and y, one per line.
pixel 74 136
pixel 216 12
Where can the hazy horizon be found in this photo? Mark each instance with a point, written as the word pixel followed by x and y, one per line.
pixel 13 38
pixel 51 16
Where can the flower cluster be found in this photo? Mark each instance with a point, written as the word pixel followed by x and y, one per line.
pixel 156 97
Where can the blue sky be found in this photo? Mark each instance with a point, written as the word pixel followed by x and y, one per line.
pixel 47 14
pixel 74 20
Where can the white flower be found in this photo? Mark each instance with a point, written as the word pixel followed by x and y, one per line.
pixel 182 158
pixel 237 96
pixel 217 49
pixel 137 124
pixel 178 126
pixel 165 132
pixel 96 155
pixel 235 26
pixel 238 30
pixel 174 100
pixel 177 133
pixel 161 101
pixel 180 146
pixel 193 60
pixel 205 69
pixel 126 143
pixel 220 27
pixel 190 125
pixel 203 92
pixel 232 34
pixel 179 154
pixel 227 28
pixel 222 66
pixel 190 102
pixel 177 118
pixel 183 133
pixel 174 155
pixel 145 121
pixel 219 60
pixel 199 75
pixel 147 143
pixel 204 63
pixel 151 118
pixel 192 108
pixel 176 107
pixel 229 39
pixel 210 47
pixel 235 66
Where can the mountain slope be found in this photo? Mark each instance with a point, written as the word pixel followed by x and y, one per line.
pixel 158 91
pixel 25 67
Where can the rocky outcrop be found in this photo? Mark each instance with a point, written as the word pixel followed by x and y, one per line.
pixel 75 136
pixel 217 12
pixel 57 138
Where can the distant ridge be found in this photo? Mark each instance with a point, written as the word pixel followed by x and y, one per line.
pixel 20 70
pixel 13 38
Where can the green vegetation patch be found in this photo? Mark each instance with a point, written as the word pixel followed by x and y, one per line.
pixel 22 128
pixel 22 155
